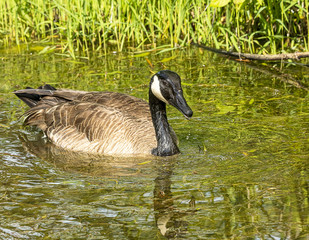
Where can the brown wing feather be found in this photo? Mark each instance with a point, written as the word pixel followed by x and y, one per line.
pixel 85 124
pixel 119 101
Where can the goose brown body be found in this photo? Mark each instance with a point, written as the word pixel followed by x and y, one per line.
pixel 96 122
pixel 108 123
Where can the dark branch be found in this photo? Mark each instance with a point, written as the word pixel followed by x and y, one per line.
pixel 283 77
pixel 268 57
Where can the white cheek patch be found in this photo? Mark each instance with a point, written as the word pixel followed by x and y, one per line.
pixel 155 88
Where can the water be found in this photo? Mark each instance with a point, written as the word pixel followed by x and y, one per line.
pixel 242 174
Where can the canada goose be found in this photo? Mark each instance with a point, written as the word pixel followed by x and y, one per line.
pixel 108 122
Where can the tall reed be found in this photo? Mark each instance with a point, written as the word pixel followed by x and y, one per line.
pixel 262 26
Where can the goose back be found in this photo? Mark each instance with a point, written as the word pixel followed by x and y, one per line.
pixel 96 122
pixel 122 102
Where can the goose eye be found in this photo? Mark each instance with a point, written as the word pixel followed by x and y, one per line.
pixel 165 84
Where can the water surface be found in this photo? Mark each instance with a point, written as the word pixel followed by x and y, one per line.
pixel 242 174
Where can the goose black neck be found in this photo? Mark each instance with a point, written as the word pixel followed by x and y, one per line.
pixel 166 145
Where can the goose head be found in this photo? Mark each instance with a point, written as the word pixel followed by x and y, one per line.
pixel 166 87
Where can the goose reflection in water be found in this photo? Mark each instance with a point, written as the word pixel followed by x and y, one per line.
pixel 168 218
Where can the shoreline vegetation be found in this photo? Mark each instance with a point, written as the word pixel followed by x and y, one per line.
pixel 255 27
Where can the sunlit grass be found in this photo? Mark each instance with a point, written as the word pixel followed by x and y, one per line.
pixel 269 26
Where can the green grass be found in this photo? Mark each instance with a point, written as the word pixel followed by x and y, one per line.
pixel 261 26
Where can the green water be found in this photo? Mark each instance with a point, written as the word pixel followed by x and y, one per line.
pixel 242 174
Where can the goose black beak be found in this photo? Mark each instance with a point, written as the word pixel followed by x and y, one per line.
pixel 180 103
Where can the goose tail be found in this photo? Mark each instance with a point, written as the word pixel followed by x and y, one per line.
pixel 32 96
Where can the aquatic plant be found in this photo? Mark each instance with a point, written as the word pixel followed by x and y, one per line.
pixel 262 26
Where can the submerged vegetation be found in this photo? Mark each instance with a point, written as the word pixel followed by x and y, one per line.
pixel 262 26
